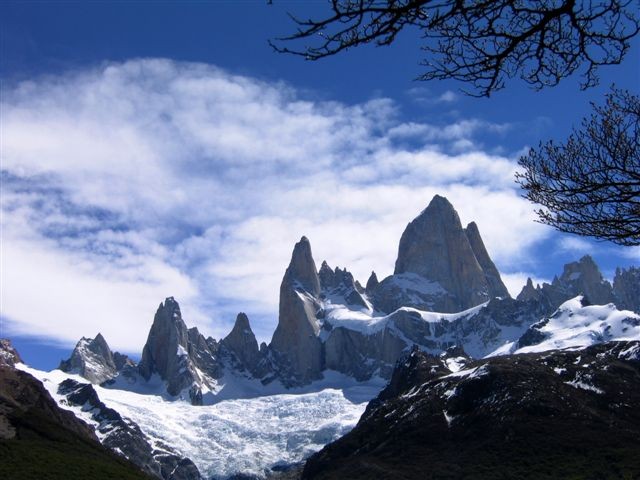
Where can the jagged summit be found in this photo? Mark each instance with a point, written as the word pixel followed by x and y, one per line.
pixel 496 287
pixel 241 342
pixel 180 356
pixel 626 288
pixel 340 286
pixel 445 291
pixel 168 334
pixel 578 278
pixel 372 283
pixel 302 268
pixel 440 265
pixel 295 343
pixel 92 359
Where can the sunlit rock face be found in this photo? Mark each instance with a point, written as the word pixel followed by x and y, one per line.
pixel 92 359
pixel 295 345
pixel 242 344
pixel 440 266
pixel 180 356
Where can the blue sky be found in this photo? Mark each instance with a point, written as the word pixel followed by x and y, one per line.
pixel 156 149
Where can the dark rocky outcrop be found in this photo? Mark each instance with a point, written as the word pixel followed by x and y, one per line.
pixel 563 414
pixel 339 286
pixel 38 439
pixel 372 283
pixel 9 356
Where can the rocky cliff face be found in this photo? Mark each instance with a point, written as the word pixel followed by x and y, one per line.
pixel 8 355
pixel 626 288
pixel 578 278
pixel 92 359
pixel 180 356
pixel 440 266
pixel 339 285
pixel 243 346
pixel 491 274
pixel 372 283
pixel 295 344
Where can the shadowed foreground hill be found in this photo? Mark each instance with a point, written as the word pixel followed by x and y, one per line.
pixel 40 441
pixel 554 415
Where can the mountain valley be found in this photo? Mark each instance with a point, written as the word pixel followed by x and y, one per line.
pixel 466 368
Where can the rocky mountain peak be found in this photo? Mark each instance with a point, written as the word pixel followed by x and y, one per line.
pixel 181 357
pixel 302 268
pixel 242 324
pixel 496 287
pixel 326 275
pixel 580 278
pixel 583 267
pixel 626 288
pixel 167 338
pixel 445 267
pixel 295 343
pixel 372 283
pixel 99 346
pixel 92 359
pixel 529 292
pixel 242 344
pixel 338 285
pixel 8 355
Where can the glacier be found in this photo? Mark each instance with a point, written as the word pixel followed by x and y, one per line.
pixel 248 436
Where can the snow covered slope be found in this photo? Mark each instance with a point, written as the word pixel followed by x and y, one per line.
pixel 248 436
pixel 576 326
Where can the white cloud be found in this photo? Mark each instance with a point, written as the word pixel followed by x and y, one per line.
pixel 448 97
pixel 136 181
pixel 62 296
pixel 576 245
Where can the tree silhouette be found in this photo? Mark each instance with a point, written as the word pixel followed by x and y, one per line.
pixel 481 42
pixel 590 185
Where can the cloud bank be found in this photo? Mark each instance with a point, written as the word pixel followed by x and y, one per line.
pixel 130 182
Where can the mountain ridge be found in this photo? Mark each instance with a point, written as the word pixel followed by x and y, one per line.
pixel 327 321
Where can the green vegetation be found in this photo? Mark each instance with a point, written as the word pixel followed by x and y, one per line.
pixel 44 450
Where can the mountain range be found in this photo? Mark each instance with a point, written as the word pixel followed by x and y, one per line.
pixel 445 310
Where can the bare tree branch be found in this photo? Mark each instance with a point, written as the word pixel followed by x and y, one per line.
pixel 482 43
pixel 591 185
